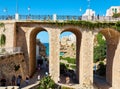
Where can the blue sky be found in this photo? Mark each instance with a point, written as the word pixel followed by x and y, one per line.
pixel 44 37
pixel 59 7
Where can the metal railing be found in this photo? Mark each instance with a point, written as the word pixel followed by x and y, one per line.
pixel 7 17
pixel 58 18
pixel 36 17
pixel 12 50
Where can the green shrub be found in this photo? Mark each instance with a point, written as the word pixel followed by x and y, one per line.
pixel 2 40
pixel 116 15
pixel 16 67
pixel 46 83
pixel 73 66
pixel 100 49
pixel 101 69
pixel 62 68
pixel 67 65
pixel 69 60
pixel 66 88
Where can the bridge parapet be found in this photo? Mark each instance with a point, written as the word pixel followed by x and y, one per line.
pixel 58 18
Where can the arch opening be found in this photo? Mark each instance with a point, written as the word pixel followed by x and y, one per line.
pixel 107 67
pixel 70 40
pixel 39 52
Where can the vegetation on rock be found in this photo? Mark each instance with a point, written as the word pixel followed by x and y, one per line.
pixel 2 40
pixel 100 49
pixel 116 15
pixel 47 83
pixel 89 24
pixel 101 69
pixel 16 67
pixel 2 25
pixel 68 59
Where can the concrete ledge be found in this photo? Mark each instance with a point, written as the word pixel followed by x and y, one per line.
pixel 32 86
pixel 10 87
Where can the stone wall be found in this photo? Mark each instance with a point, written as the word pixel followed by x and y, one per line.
pixel 9 31
pixel 24 35
pixel 8 63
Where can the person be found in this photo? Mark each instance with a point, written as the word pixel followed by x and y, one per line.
pixel 39 67
pixel 67 80
pixel 38 77
pixel 3 81
pixel 92 16
pixel 95 68
pixel 98 16
pixel 13 80
pixel 18 81
pixel 46 73
pixel 27 80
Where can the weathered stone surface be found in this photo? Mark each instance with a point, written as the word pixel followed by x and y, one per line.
pixel 7 66
pixel 23 34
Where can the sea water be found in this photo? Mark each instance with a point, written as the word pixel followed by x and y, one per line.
pixel 47 49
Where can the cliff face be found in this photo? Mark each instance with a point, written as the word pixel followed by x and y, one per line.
pixel 68 47
pixel 42 48
pixel 13 64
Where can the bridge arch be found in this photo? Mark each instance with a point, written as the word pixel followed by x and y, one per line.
pixel 32 48
pixel 112 63
pixel 76 31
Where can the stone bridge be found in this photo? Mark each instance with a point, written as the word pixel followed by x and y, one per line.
pixel 23 34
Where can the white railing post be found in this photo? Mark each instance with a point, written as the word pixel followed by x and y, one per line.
pixel 16 16
pixel 54 17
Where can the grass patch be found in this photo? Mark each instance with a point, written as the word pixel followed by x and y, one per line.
pixel 69 60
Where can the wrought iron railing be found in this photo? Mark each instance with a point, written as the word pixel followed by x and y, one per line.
pixel 58 18
pixel 7 17
pixel 11 50
pixel 36 17
pixel 66 17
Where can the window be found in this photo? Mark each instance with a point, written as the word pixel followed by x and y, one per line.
pixel 115 10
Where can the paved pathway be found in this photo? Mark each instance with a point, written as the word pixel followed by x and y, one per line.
pixel 34 79
pixel 100 82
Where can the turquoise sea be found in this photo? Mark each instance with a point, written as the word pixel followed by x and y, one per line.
pixel 47 49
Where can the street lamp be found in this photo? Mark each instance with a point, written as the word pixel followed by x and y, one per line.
pixel 80 14
pixel 16 14
pixel 16 6
pixel 5 11
pixel 89 9
pixel 28 13
pixel 29 10
pixel 80 9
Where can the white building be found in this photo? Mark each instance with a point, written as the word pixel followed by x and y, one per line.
pixel 72 38
pixel 112 10
pixel 68 40
pixel 89 12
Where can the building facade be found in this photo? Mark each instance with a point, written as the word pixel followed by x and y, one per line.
pixel 112 10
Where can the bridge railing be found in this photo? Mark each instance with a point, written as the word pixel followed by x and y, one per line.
pixel 66 17
pixel 7 17
pixel 58 18
pixel 36 17
pixel 11 50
